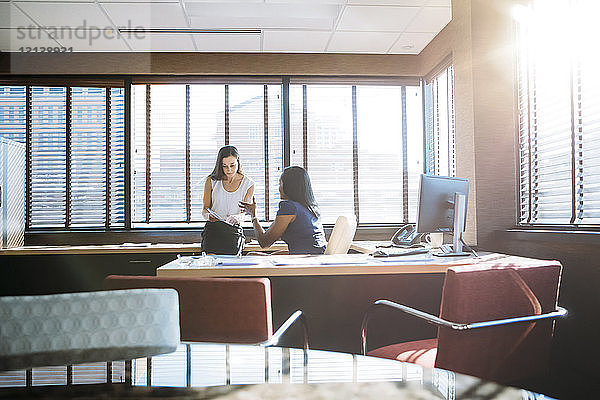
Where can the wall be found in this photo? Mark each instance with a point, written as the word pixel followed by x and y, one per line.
pixel 480 39
pixel 209 64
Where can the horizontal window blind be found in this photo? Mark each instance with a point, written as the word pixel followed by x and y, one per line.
pixel 439 124
pixel 362 146
pixel 177 132
pixel 116 153
pixel 66 130
pixel 48 192
pixel 206 138
pixel 88 156
pixel 559 116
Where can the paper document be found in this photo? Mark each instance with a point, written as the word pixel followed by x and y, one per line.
pixel 217 216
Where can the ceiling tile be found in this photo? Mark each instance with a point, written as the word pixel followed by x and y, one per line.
pixel 362 18
pixel 430 19
pixel 138 1
pixel 295 41
pixel 12 17
pixel 105 40
pixel 155 15
pixel 411 3
pixel 361 42
pixel 75 15
pixel 228 42
pixel 161 42
pixel 442 3
pixel 242 15
pixel 13 40
pixel 412 43
pixel 56 1
pixel 308 1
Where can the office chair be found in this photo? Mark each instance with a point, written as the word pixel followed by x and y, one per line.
pixel 496 322
pixel 342 235
pixel 227 310
pixel 74 328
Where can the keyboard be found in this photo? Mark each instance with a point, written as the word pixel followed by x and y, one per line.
pixel 399 251
pixel 379 249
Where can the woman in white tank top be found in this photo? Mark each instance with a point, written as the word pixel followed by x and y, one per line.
pixel 226 186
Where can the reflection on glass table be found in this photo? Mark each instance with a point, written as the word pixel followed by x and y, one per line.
pixel 223 371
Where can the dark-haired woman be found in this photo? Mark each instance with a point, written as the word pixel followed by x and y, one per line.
pixel 297 222
pixel 226 186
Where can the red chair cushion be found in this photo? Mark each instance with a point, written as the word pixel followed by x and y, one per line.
pixel 422 352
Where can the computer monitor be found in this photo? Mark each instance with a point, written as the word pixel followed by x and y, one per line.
pixel 443 208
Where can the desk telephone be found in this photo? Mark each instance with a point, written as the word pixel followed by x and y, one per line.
pixel 406 236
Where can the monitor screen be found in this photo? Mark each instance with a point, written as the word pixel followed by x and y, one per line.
pixel 436 202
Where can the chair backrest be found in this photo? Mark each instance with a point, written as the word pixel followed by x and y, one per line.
pixel 232 310
pixel 74 328
pixel 486 292
pixel 341 235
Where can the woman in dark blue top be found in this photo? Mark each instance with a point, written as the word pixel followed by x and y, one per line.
pixel 297 221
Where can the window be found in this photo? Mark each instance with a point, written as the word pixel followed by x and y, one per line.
pixel 558 114
pixel 362 146
pixel 75 142
pixel 362 142
pixel 177 133
pixel 439 122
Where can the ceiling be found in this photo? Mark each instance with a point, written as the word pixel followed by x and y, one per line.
pixel 294 26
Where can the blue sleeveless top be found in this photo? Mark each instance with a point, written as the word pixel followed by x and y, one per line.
pixel 304 235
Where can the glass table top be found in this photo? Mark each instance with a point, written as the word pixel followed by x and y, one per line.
pixel 228 371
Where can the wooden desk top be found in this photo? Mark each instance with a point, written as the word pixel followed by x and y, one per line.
pixel 349 264
pixel 127 248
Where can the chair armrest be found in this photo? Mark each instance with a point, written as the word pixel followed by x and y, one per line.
pixel 432 319
pixel 296 316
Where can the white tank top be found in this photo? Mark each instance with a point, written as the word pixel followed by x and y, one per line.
pixel 225 203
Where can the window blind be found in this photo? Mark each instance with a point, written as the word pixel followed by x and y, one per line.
pixel 66 130
pixel 362 146
pixel 172 120
pixel 439 124
pixel 559 116
pixel 48 148
pixel 327 147
pixel 88 156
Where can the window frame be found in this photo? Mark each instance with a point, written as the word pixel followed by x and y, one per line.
pixel 127 83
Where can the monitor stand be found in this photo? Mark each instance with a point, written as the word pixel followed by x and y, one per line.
pixel 460 200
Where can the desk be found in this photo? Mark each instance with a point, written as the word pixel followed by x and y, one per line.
pixel 217 371
pixel 334 297
pixel 290 265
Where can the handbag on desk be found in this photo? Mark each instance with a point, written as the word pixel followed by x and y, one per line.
pixel 222 238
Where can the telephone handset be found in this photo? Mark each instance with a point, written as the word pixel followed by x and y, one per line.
pixel 406 236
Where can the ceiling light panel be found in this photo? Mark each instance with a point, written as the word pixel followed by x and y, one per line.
pixel 74 15
pixel 430 19
pixel 227 43
pixel 146 15
pixel 262 15
pixel 295 41
pixel 387 19
pixel 412 43
pixel 361 42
